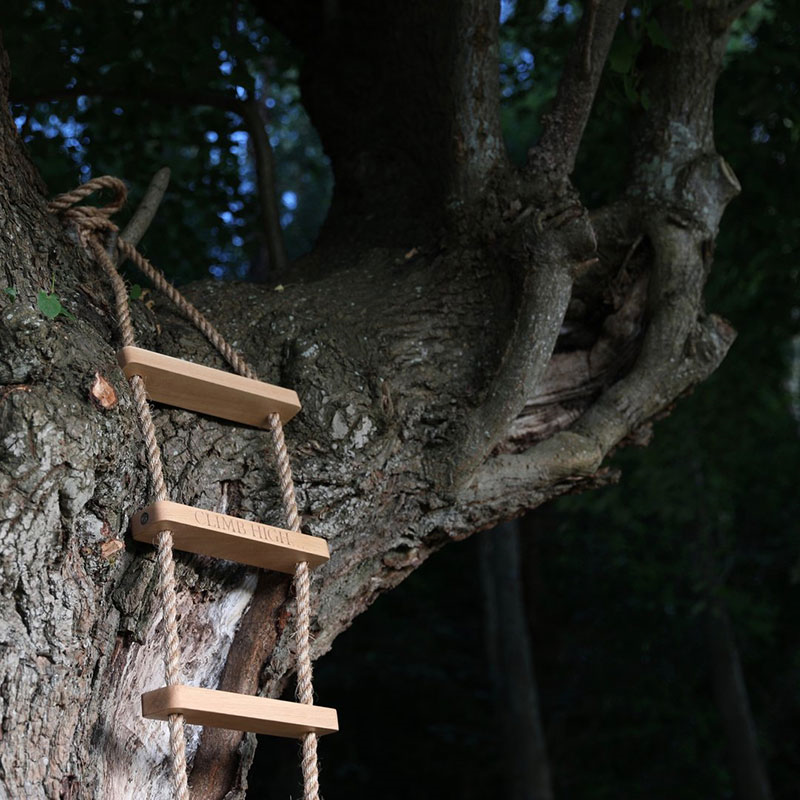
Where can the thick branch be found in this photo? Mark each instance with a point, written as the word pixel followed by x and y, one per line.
pixel 555 248
pixel 563 126
pixel 476 137
pixel 545 295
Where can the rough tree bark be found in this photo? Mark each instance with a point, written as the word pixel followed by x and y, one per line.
pixel 468 340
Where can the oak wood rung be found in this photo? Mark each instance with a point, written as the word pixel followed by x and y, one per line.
pixel 215 392
pixel 222 536
pixel 240 712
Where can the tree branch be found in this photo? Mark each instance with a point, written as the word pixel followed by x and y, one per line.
pixel 253 116
pixel 140 221
pixel 563 126
pixel 476 137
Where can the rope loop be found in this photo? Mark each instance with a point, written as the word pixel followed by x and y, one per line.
pixel 90 220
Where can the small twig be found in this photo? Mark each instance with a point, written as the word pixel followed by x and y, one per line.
pixel 631 251
pixel 140 221
pixel 14 387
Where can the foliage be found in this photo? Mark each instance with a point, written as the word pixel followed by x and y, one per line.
pixel 127 88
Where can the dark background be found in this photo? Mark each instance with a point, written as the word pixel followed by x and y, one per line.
pixel 617 584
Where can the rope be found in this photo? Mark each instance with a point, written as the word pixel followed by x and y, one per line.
pixel 93 224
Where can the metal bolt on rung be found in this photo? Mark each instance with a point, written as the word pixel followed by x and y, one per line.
pixel 143 519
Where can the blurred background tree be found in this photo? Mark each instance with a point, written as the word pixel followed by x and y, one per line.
pixel 623 587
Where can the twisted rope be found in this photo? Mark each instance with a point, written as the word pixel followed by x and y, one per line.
pixel 92 224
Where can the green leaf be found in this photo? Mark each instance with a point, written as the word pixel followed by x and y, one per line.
pixel 135 292
pixel 630 89
pixel 11 291
pixel 50 305
pixel 656 34
pixel 623 54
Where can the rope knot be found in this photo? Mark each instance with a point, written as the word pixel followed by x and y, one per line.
pixel 90 220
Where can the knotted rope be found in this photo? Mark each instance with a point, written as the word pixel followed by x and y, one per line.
pixel 94 225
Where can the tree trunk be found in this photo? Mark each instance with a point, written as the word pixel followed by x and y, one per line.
pixel 509 647
pixel 730 693
pixel 467 339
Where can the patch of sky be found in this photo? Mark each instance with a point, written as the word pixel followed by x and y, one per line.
pixel 556 8
pixel 289 199
pixel 507 9
pixel 211 136
pixel 517 64
pixel 759 134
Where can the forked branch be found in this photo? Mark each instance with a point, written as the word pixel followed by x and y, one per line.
pixel 680 205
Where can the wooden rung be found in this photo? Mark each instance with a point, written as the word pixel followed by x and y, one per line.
pixel 239 712
pixel 206 390
pixel 199 531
